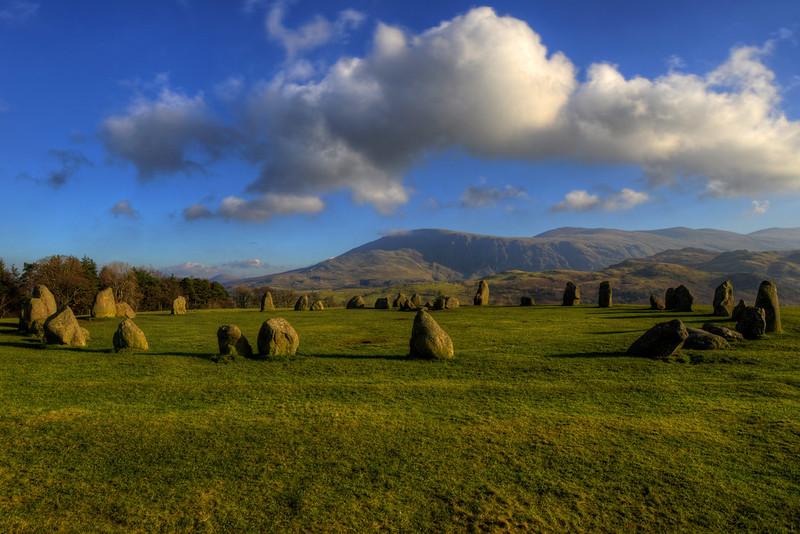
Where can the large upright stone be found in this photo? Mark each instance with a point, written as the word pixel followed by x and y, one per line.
pixel 683 299
pixel 572 295
pixel 125 310
pixel 723 299
pixel 33 316
pixel 41 292
pixel 753 323
pixel 179 306
pixel 415 300
pixel 302 304
pixel 400 300
pixel 356 303
pixel 482 295
pixel 428 340
pixel 656 303
pixel 232 342
pixel 105 306
pixel 604 295
pixel 661 341
pixel 669 299
pixel 63 329
pixel 277 338
pixel 738 310
pixel 129 337
pixel 382 303
pixel 266 302
pixel 767 299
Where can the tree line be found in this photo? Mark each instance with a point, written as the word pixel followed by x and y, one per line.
pixel 75 281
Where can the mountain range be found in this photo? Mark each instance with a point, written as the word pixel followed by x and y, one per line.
pixel 430 255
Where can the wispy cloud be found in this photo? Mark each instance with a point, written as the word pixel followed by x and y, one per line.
pixel 17 10
pixel 759 207
pixel 582 200
pixel 316 32
pixel 258 209
pixel 481 196
pixel 123 208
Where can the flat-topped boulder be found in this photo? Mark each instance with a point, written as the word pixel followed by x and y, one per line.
pixel 277 338
pixel 63 329
pixel 767 299
pixel 303 304
pixel 42 292
pixel 752 323
pixel 382 303
pixel 703 340
pixel 125 310
pixel 572 295
pixel 105 305
pixel 356 303
pixel 723 331
pixel 482 295
pixel 129 338
pixel 723 299
pixel 266 302
pixel 661 341
pixel 604 295
pixel 179 306
pixel 232 342
pixel 429 340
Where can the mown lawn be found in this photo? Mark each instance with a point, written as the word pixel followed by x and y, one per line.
pixel 541 423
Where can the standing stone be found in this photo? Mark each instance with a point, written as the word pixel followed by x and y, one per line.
pixel 656 303
pixel 572 295
pixel 266 302
pixel 356 303
pixel 415 300
pixel 105 307
pixel 179 306
pixel 277 338
pixel 753 322
pixel 302 304
pixel 399 300
pixel 129 337
pixel 669 299
pixel 124 310
pixel 767 299
pixel 32 317
pixel 723 299
pixel 683 299
pixel 604 295
pixel 63 329
pixel 482 295
pixel 428 340
pixel 738 310
pixel 232 343
pixel 526 301
pixel 41 292
pixel 661 341
pixel 318 306
pixel 382 303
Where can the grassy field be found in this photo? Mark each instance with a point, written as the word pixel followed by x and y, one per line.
pixel 541 423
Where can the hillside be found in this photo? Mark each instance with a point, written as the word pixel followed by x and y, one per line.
pixel 420 256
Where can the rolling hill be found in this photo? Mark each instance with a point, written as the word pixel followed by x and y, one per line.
pixel 426 255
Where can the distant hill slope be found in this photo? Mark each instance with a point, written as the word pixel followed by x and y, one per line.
pixel 444 255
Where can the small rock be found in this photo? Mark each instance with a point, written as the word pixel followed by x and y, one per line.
pixel 356 303
pixel 232 343
pixel 656 303
pixel 129 337
pixel 703 340
pixel 526 301
pixel 723 331
pixel 318 306
pixel 753 322
pixel 429 340
pixel 382 303
pixel 124 310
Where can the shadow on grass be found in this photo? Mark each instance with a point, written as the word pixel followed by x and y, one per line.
pixel 358 356
pixel 611 332
pixel 613 354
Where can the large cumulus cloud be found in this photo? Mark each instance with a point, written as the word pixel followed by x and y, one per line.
pixel 486 84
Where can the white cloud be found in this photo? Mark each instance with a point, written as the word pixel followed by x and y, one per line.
pixel 17 10
pixel 157 135
pixel 582 200
pixel 258 209
pixel 313 34
pixel 197 211
pixel 760 207
pixel 479 196
pixel 222 271
pixel 123 208
pixel 230 89
pixel 578 200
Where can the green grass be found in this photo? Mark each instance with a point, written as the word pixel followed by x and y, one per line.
pixel 541 423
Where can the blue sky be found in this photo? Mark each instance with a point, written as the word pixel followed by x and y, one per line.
pixel 250 136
